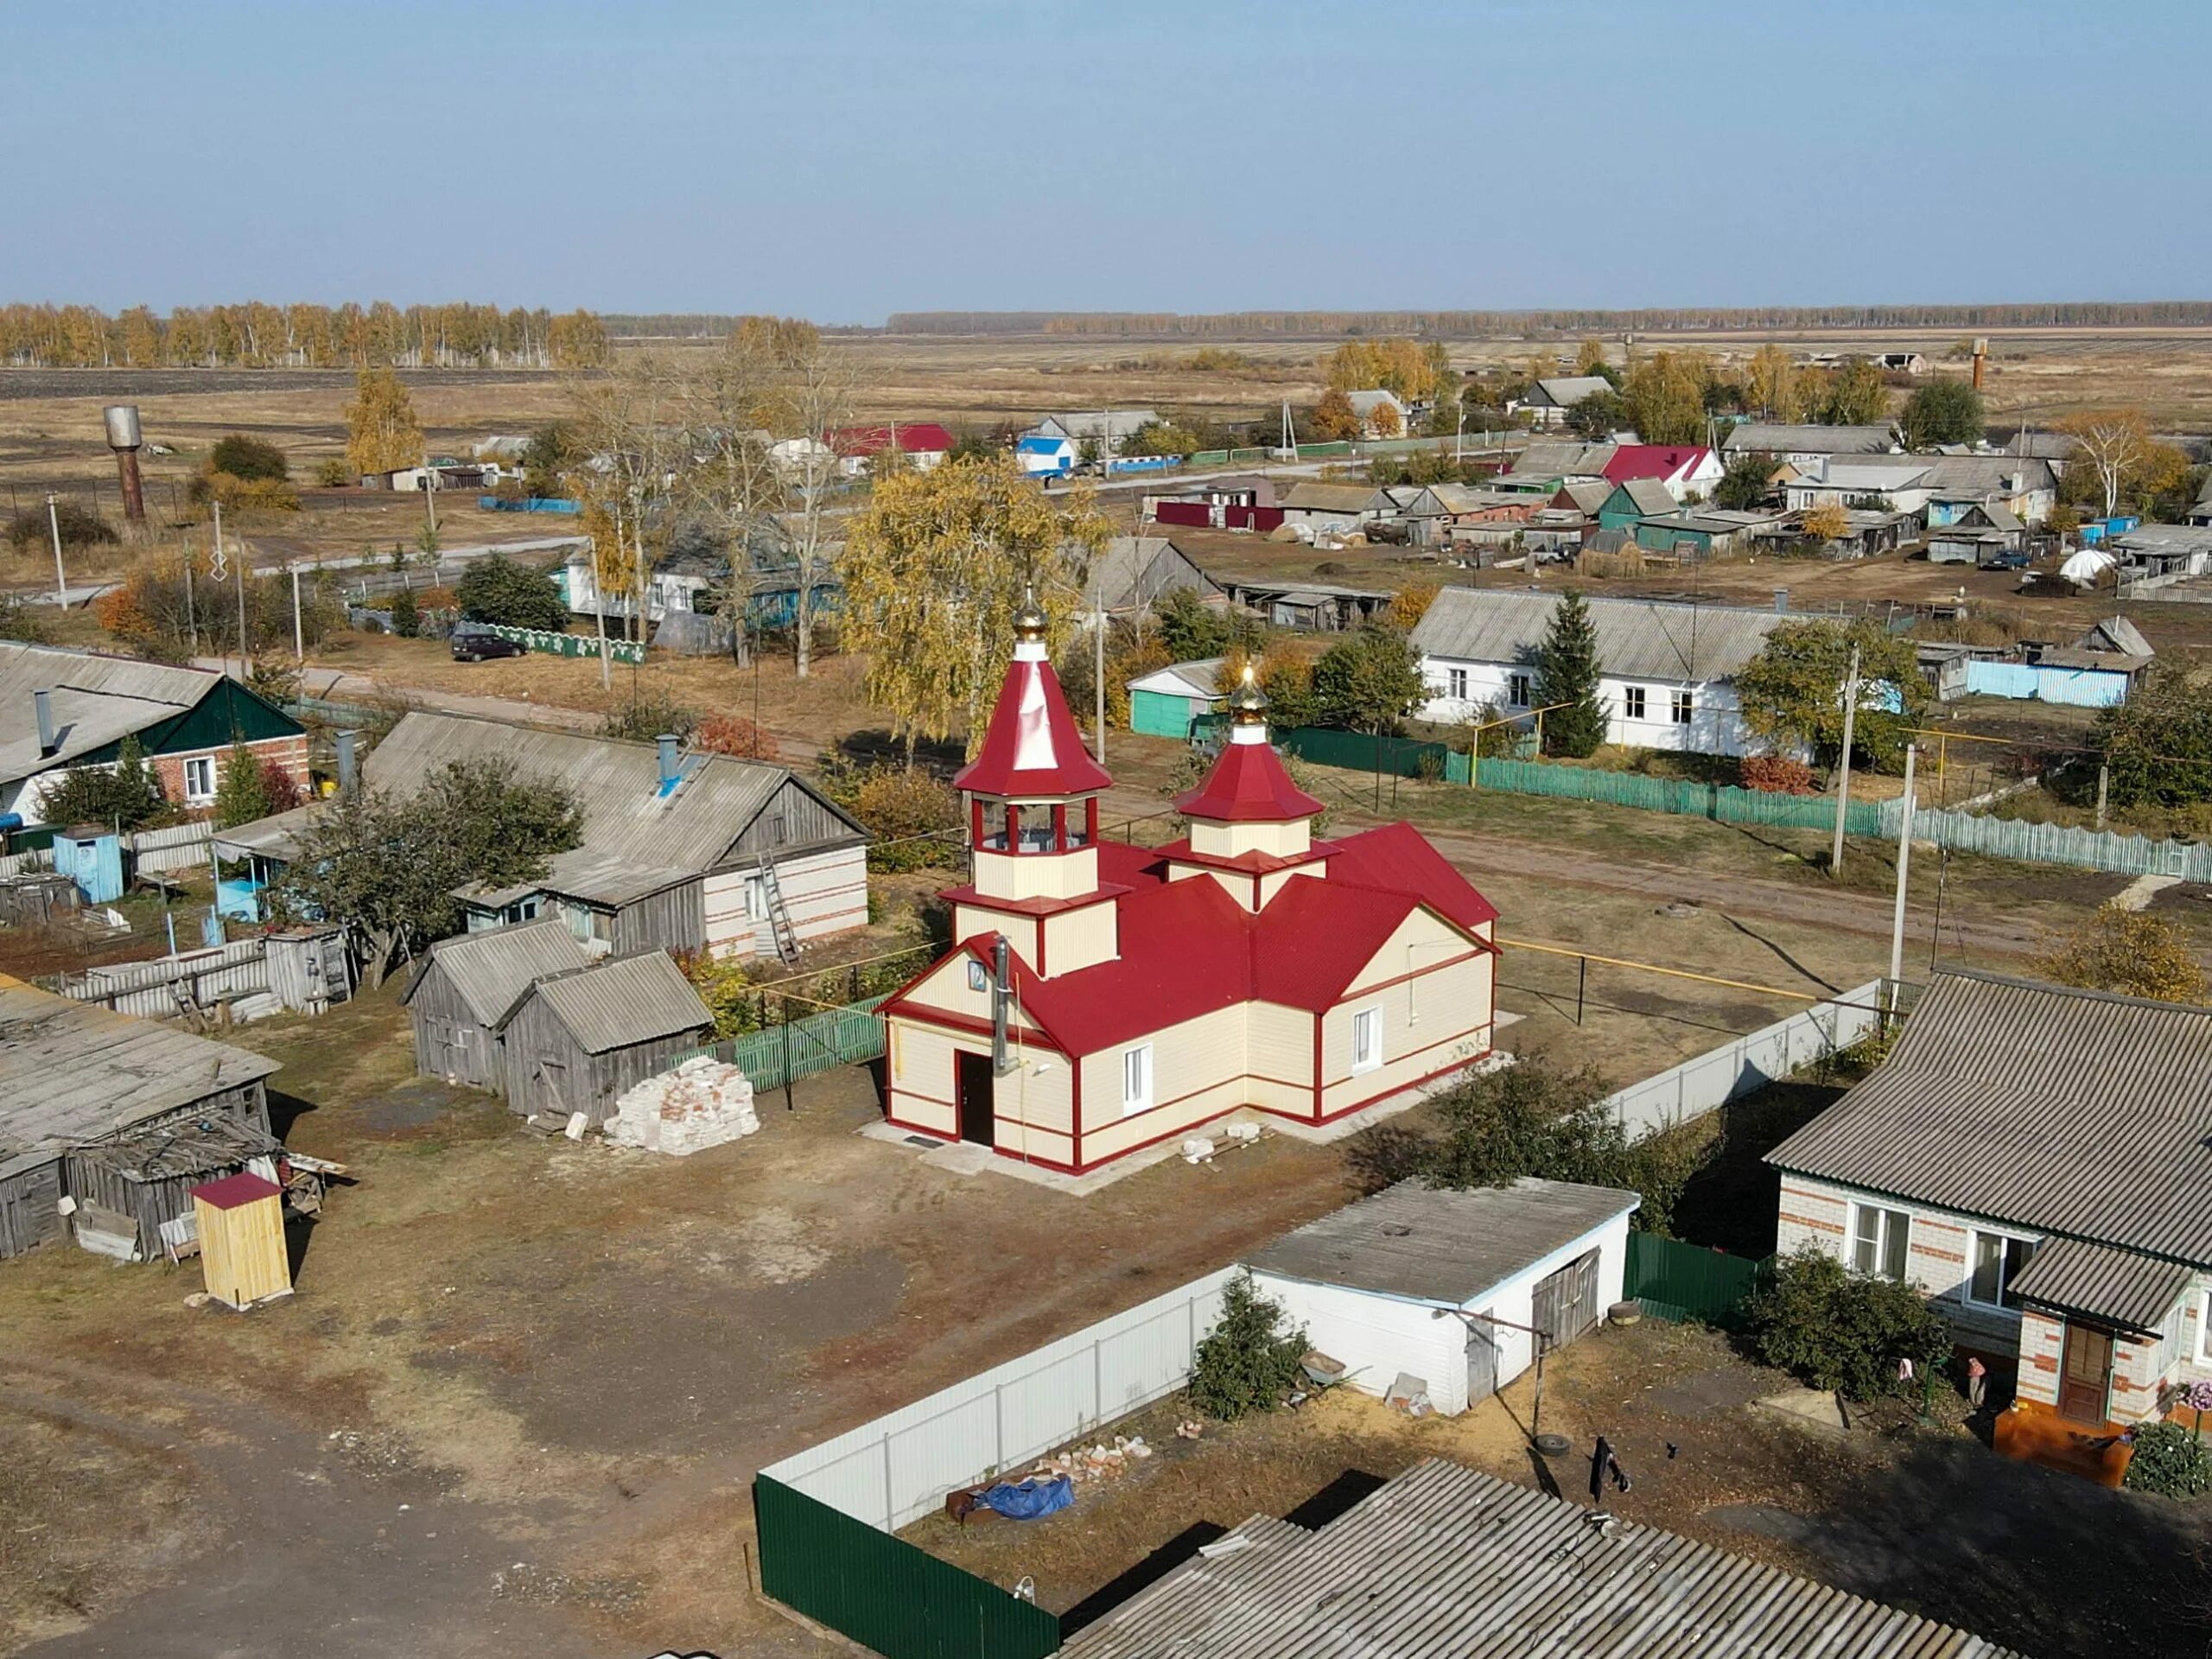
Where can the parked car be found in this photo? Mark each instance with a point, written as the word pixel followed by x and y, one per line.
pixel 475 648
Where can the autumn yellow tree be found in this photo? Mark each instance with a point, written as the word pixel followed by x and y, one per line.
pixel 1825 522
pixel 935 570
pixel 1410 603
pixel 1772 384
pixel 2113 445
pixel 1333 418
pixel 381 431
pixel 1665 395
pixel 1383 421
pixel 1405 366
pixel 2128 951
pixel 1589 356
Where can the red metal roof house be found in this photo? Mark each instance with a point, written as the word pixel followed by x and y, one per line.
pixel 923 443
pixel 1148 990
pixel 1686 469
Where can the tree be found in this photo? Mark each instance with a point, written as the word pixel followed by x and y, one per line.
pixel 242 794
pixel 1383 421
pixel 126 796
pixel 382 434
pixel 249 457
pixel 1334 419
pixel 2130 952
pixel 1589 356
pixel 32 529
pixel 1856 394
pixel 1665 396
pixel 547 455
pixel 1369 680
pixel 496 589
pixel 387 867
pixel 1746 484
pixel 406 614
pixel 1774 387
pixel 1285 677
pixel 1410 603
pixel 1160 438
pixel 1250 1361
pixel 1190 629
pixel 1825 522
pixel 1567 673
pixel 2113 445
pixel 1835 1329
pixel 734 735
pixel 1405 366
pixel 1792 691
pixel 735 483
pixel 815 384
pixel 1597 416
pixel 1945 410
pixel 2156 747
pixel 935 570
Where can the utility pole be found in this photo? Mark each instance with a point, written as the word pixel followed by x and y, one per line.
pixel 1904 863
pixel 53 524
pixel 299 634
pixel 599 604
pixel 1098 661
pixel 430 498
pixel 191 613
pixel 238 566
pixel 1843 785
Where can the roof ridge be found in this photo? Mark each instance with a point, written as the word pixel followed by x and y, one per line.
pixel 2082 992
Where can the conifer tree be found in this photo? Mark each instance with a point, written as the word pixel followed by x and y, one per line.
pixel 1566 673
pixel 242 796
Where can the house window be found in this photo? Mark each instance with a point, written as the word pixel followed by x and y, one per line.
pixel 1683 704
pixel 1366 1040
pixel 1136 1079
pixel 1632 702
pixel 1998 1261
pixel 1455 683
pixel 200 779
pixel 979 977
pixel 1879 1237
pixel 2204 1327
pixel 1519 690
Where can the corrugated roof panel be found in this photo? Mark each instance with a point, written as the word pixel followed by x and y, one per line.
pixel 2072 1277
pixel 630 1000
pixel 490 970
pixel 1637 639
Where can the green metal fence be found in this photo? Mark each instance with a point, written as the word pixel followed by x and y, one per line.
pixel 1676 795
pixel 1327 745
pixel 776 1055
pixel 1678 1282
pixel 882 1592
pixel 567 645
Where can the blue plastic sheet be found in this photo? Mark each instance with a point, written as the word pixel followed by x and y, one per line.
pixel 1030 1499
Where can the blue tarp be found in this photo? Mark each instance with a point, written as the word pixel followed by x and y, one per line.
pixel 1030 1499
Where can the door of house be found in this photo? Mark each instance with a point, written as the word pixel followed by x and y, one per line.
pixel 1565 1304
pixel 978 1112
pixel 2085 1374
pixel 1482 1360
pixel 555 1077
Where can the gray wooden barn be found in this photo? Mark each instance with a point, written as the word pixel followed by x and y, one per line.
pixel 577 1042
pixel 81 1088
pixel 468 984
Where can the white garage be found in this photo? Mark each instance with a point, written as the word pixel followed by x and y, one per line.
pixel 1379 1284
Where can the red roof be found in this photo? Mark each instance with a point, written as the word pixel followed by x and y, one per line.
pixel 231 1192
pixel 1660 460
pixel 1397 857
pixel 1248 784
pixel 1031 747
pixel 915 438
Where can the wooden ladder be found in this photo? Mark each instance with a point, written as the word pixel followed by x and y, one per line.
pixel 779 915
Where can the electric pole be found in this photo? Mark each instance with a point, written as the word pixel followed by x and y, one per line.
pixel 1843 782
pixel 1098 664
pixel 53 524
pixel 1904 863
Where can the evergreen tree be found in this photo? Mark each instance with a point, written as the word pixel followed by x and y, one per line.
pixel 1566 673
pixel 125 795
pixel 406 614
pixel 1251 1362
pixel 243 794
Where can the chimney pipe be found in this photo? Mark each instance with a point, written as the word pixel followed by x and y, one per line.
pixel 348 774
pixel 126 437
pixel 43 701
pixel 667 771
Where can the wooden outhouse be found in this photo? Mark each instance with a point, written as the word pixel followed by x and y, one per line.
pixel 468 984
pixel 575 1042
pixel 241 1219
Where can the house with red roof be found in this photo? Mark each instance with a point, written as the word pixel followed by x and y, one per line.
pixel 1101 998
pixel 1686 469
pixel 925 443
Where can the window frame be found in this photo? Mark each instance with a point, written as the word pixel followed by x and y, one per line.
pixel 1371 1020
pixel 1634 702
pixel 979 977
pixel 206 764
pixel 1882 1242
pixel 1455 684
pixel 1681 707
pixel 2204 1327
pixel 1136 1057
pixel 2005 1274
pixel 1520 689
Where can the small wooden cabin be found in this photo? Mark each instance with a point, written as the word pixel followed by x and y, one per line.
pixel 575 1042
pixel 242 1253
pixel 468 984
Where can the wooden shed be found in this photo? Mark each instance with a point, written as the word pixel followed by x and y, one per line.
pixel 576 1042
pixel 242 1240
pixel 468 984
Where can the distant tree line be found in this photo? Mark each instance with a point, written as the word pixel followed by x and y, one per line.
pixel 257 335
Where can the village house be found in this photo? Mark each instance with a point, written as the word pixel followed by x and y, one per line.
pixel 1246 502
pixel 1131 573
pixel 1042 457
pixel 1547 402
pixel 1685 470
pixel 1107 431
pixel 1938 488
pixel 1695 533
pixel 2037 1161
pixel 680 851
pixel 1633 501
pixel 1169 702
pixel 1335 509
pixel 1806 445
pixel 1382 413
pixel 1544 468
pixel 923 443
pixel 1103 998
pixel 63 709
pixel 2154 555
pixel 1667 670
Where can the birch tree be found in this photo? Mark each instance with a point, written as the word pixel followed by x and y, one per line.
pixel 732 482
pixel 813 398
pixel 2114 444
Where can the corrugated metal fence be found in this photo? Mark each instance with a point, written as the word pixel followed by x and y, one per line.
pixel 565 645
pixel 1721 1075
pixel 2052 844
pixel 1677 795
pixel 776 1055
pixel 1678 1282
pixel 197 978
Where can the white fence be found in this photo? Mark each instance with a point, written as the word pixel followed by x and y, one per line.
pixel 195 978
pixel 26 863
pixel 1712 1080
pixel 178 847
pixel 899 1468
pixel 2053 843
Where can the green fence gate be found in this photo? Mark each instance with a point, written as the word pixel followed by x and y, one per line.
pixel 882 1592
pixel 1678 1282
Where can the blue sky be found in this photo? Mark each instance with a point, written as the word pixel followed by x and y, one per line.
pixel 843 159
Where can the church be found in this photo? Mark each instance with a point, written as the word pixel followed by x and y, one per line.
pixel 1103 998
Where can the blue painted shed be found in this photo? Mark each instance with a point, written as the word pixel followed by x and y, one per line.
pixel 93 859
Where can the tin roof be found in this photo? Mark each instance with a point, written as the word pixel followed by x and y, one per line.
pixel 490 970
pixel 1565 391
pixel 1032 747
pixel 232 1191
pixel 1444 1563
pixel 1442 1245
pixel 627 1001
pixel 1637 639
pixel 1248 784
pixel 2071 1277
pixel 1781 438
pixel 1644 495
pixel 1564 460
pixel 1329 498
pixel 2070 1112
pixel 96 700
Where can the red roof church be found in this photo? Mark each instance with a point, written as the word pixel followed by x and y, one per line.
pixel 1103 998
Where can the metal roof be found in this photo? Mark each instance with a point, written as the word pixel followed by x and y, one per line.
pixel 1446 1563
pixel 1637 639
pixel 1781 438
pixel 2116 633
pixel 1564 460
pixel 1647 496
pixel 1442 1245
pixel 96 700
pixel 627 1000
pixel 1122 573
pixel 490 970
pixel 1332 498
pixel 2072 1277
pixel 2070 1112
pixel 1565 391
pixel 71 1072
pixel 1191 679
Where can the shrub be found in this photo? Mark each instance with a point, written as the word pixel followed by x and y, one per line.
pixel 1777 773
pixel 497 589
pixel 333 473
pixel 127 795
pixel 19 621
pixel 248 458
pixel 2170 1460
pixel 2131 952
pixel 406 614
pixel 734 735
pixel 31 528
pixel 281 788
pixel 1250 1361
pixel 724 986
pixel 648 716
pixel 1836 1329
pixel 899 805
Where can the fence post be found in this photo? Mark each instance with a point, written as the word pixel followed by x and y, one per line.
pixel 890 1503
pixel 1097 1381
pixel 998 1426
pixel 788 1104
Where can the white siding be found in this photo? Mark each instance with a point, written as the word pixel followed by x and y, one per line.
pixel 825 893
pixel 1716 724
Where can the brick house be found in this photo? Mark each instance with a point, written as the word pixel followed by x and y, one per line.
pixel 2035 1160
pixel 61 710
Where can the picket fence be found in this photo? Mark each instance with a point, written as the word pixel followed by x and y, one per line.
pixel 566 645
pixel 2052 844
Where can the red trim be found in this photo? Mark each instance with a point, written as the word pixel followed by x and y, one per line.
pixel 1013 829
pixel 1351 997
pixel 922 1015
pixel 917 1128
pixel 1043 972
pixel 1255 863
pixel 976 901
pixel 1399 1088
pixel 975 823
pixel 1059 826
pixel 1090 821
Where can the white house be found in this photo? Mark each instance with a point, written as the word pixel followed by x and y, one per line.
pixel 1371 406
pixel 1548 400
pixel 1667 670
pixel 1451 1287
pixel 1117 426
pixel 1050 456
pixel 2037 1160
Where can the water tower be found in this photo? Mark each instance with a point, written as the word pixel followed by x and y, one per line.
pixel 125 437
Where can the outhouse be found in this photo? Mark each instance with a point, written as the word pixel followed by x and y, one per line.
pixel 241 1221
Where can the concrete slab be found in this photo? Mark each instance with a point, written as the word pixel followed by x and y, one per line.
pixel 1817 1409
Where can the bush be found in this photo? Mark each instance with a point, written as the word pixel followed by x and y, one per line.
pixel 406 614
pixel 1835 1329
pixel 734 735
pixel 648 716
pixel 1250 1361
pixel 1777 773
pixel 496 589
pixel 248 458
pixel 2170 1460
pixel 898 805
pixel 126 796
pixel 21 622
pixel 333 473
pixel 31 528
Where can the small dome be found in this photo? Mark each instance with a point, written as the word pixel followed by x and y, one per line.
pixel 1029 622
pixel 1248 704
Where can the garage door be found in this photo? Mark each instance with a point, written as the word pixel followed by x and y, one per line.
pixel 1565 1303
